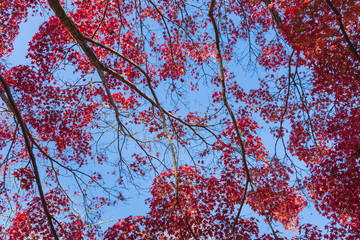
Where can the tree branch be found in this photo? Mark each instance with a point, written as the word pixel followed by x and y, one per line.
pixel 343 31
pixel 18 117
pixel 228 107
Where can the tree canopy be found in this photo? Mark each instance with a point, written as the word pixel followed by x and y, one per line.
pixel 239 113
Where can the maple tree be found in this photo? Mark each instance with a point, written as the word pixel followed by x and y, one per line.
pixel 116 91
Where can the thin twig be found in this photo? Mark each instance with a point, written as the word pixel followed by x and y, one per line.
pixel 102 19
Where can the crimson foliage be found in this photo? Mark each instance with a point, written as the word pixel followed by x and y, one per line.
pixel 118 91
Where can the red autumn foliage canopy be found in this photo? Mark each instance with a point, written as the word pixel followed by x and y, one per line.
pixel 242 112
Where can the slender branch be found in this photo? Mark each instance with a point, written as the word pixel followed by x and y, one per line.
pixel 163 119
pixel 102 19
pixel 18 117
pixel 233 119
pixel 286 101
pixel 343 31
pixel 263 210
pixel 222 78
pixel 239 211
